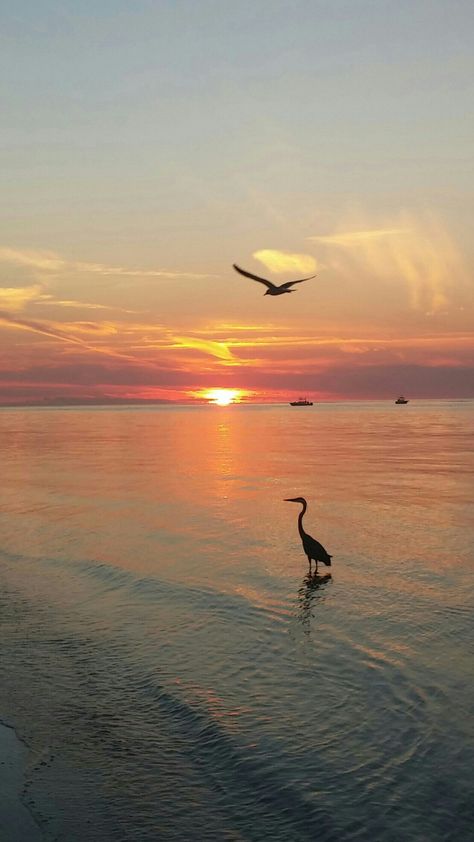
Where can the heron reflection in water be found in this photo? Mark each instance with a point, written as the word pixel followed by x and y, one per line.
pixel 307 595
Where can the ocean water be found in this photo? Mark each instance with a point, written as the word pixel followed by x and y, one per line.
pixel 173 669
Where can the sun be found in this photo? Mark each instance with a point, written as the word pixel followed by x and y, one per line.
pixel 222 397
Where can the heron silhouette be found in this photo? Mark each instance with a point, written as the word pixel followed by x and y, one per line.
pixel 312 548
pixel 273 289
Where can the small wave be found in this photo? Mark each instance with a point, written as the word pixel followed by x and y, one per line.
pixel 157 747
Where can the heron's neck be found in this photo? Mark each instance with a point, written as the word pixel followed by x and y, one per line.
pixel 300 520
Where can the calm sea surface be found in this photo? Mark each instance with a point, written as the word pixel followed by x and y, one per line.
pixel 176 674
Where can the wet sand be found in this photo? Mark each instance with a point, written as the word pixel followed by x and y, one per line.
pixel 16 823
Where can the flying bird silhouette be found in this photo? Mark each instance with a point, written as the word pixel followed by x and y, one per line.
pixel 312 548
pixel 272 289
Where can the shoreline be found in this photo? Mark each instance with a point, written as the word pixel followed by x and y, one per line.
pixel 16 822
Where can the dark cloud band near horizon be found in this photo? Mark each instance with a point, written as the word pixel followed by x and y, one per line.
pixel 341 382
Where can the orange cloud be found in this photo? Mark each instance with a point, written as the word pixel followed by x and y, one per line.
pixel 90 328
pixel 207 346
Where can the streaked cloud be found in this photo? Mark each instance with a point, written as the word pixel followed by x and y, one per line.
pixel 44 328
pixel 64 333
pixel 281 261
pixel 207 346
pixel 354 238
pixel 90 328
pixel 44 260
pixel 231 326
pixel 47 261
pixel 101 269
pixel 15 298
pixel 418 253
pixel 82 305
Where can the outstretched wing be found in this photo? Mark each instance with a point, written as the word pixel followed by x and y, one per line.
pixel 254 277
pixel 290 283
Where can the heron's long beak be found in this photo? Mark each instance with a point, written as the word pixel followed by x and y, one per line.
pixel 290 500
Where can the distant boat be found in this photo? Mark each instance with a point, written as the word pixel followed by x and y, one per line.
pixel 401 399
pixel 301 402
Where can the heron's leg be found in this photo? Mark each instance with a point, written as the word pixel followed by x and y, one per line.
pixel 309 559
pixel 316 563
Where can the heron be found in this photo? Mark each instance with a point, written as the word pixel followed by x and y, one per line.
pixel 312 548
pixel 272 289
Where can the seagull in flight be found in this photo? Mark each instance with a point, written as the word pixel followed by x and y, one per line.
pixel 272 289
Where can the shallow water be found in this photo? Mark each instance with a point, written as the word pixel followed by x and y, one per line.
pixel 174 671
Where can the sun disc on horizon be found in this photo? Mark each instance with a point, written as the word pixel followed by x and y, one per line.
pixel 222 397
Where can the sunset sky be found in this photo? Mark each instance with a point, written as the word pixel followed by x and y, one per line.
pixel 148 146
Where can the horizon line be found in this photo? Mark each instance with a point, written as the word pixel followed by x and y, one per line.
pixel 166 402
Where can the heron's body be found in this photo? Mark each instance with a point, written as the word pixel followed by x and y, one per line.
pixel 312 548
pixel 272 289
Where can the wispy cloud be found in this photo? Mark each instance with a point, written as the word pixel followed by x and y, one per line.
pixel 155 337
pixel 47 261
pixel 225 329
pixel 82 305
pixel 44 328
pixel 15 298
pixel 44 260
pixel 355 238
pixel 90 328
pixel 102 269
pixel 208 346
pixel 63 333
pixel 282 261
pixel 418 252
